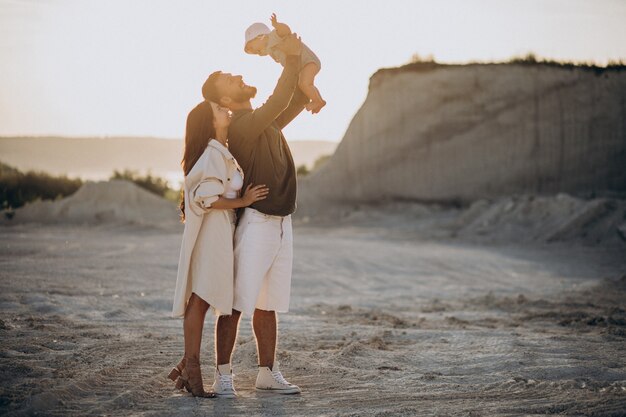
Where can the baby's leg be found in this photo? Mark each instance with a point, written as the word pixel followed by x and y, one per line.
pixel 306 84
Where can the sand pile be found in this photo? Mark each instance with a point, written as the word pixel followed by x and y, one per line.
pixel 548 219
pixel 518 219
pixel 103 202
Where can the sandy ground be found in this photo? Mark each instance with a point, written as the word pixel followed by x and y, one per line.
pixel 382 324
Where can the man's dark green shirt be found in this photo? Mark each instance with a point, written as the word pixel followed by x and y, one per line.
pixel 256 140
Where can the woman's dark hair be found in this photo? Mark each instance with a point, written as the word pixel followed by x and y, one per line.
pixel 200 129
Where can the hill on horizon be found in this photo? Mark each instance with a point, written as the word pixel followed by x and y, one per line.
pixel 95 158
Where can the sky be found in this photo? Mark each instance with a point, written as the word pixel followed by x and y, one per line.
pixel 136 67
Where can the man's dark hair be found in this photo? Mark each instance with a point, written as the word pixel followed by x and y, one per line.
pixel 209 89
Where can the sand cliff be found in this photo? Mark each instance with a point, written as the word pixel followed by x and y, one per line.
pixel 460 133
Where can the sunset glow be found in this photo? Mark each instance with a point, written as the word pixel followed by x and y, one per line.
pixel 135 68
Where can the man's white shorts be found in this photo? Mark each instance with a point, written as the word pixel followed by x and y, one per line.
pixel 263 261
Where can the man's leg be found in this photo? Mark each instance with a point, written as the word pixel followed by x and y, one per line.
pixel 264 325
pixel 274 296
pixel 226 330
pixel 269 377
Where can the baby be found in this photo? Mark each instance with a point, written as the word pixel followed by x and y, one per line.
pixel 261 41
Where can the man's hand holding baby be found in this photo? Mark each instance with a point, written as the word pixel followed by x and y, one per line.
pixel 291 45
pixel 279 44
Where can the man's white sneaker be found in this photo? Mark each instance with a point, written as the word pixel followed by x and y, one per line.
pixel 272 380
pixel 223 383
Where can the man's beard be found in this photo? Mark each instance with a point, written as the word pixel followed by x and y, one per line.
pixel 245 94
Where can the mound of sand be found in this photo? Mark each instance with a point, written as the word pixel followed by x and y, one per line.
pixel 548 219
pixel 114 201
pixel 517 219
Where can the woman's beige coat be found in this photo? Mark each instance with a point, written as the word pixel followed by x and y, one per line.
pixel 206 262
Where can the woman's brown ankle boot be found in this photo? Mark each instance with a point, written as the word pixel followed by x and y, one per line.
pixel 191 378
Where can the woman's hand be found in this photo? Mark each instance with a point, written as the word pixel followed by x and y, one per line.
pixel 254 193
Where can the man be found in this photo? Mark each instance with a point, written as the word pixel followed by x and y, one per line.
pixel 263 240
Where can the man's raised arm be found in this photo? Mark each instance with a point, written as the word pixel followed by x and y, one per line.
pixel 296 105
pixel 262 117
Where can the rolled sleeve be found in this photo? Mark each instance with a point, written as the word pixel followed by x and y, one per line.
pixel 207 192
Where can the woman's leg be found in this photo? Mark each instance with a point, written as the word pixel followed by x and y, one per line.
pixel 194 322
pixel 193 325
pixel 307 85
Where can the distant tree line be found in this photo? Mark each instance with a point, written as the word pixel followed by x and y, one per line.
pixel 528 59
pixel 420 63
pixel 19 188
pixel 303 170
pixel 155 185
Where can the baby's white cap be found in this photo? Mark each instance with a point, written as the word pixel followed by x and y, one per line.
pixel 255 29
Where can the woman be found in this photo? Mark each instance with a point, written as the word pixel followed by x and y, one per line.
pixel 212 183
